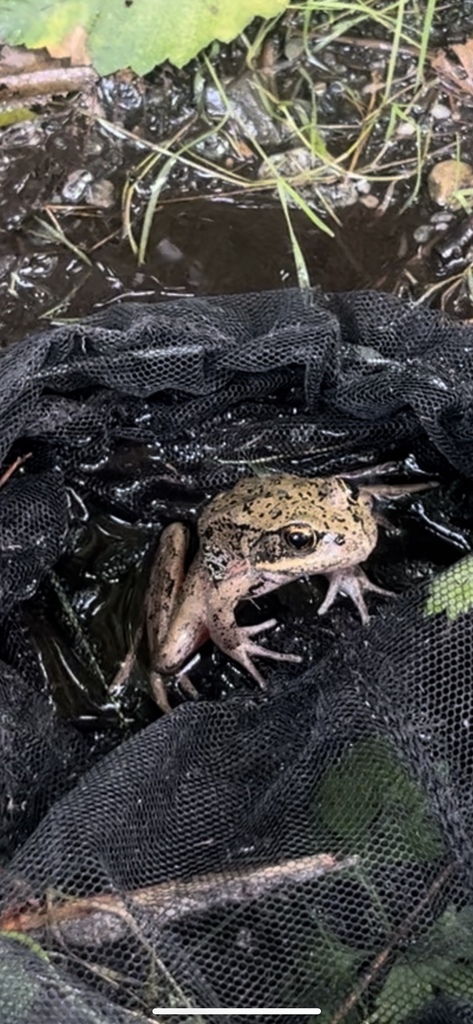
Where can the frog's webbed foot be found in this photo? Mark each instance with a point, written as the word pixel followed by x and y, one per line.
pixel 351 583
pixel 245 650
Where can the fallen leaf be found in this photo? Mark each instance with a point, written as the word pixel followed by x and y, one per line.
pixel 464 52
pixel 133 33
pixel 72 45
pixel 459 75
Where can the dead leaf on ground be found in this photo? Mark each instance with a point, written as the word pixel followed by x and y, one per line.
pixel 74 46
pixel 17 59
pixel 33 75
pixel 459 75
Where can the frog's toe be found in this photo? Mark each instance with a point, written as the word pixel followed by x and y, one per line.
pixel 158 689
pixel 351 583
pixel 263 652
pixel 244 658
pixel 248 650
pixel 259 627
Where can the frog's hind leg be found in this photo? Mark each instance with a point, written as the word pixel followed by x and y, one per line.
pixel 165 584
pixel 351 583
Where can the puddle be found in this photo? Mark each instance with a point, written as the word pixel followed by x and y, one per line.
pixel 66 170
pixel 198 246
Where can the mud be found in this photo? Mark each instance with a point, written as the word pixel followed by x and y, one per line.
pixel 66 170
pixel 197 245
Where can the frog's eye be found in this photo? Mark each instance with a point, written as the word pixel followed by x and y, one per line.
pixel 300 537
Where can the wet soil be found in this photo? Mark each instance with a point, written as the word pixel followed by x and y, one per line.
pixel 67 168
pixel 197 245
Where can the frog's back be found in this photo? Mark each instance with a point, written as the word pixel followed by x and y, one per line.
pixel 276 499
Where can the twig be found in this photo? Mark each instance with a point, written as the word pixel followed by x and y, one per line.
pixel 381 959
pixel 14 466
pixel 376 44
pixel 95 918
pixel 49 82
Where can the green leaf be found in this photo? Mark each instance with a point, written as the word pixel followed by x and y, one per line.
pixel 130 33
pixel 15 116
pixel 409 987
pixel 18 988
pixel 368 800
pixel 452 592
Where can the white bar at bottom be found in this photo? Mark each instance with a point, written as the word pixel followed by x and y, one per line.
pixel 182 1011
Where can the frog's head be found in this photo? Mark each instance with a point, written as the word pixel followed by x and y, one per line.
pixel 288 526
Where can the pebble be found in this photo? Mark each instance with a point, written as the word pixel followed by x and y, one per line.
pixel 75 185
pixel 168 252
pixel 442 218
pixel 423 233
pixel 294 46
pixel 440 112
pixel 405 129
pixel 101 193
pixel 371 202
pixel 446 179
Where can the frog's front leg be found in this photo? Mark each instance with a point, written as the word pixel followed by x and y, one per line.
pixel 236 640
pixel 350 582
pixel 175 626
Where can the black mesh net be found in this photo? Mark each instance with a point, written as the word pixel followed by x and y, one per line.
pixel 306 847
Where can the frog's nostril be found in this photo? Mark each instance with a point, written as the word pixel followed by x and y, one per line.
pixel 334 538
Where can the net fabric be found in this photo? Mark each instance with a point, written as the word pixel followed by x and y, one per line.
pixel 308 847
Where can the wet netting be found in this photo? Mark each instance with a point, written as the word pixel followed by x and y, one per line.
pixel 307 846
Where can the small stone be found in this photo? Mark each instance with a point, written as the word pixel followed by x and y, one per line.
pixel 370 201
pixel 93 146
pixel 101 193
pixel 446 179
pixel 294 46
pixel 442 218
pixel 289 163
pixel 340 195
pixel 422 234
pixel 75 185
pixel 440 112
pixel 244 103
pixel 168 252
pixel 363 187
pixel 405 129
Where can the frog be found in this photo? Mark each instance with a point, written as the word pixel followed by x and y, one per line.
pixel 261 534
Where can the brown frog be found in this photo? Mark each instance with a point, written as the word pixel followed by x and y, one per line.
pixel 261 534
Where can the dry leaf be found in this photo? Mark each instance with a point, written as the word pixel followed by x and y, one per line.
pixel 464 52
pixel 74 46
pixel 459 75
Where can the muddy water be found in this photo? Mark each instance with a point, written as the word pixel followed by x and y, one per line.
pixel 198 244
pixel 202 247
pixel 230 248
